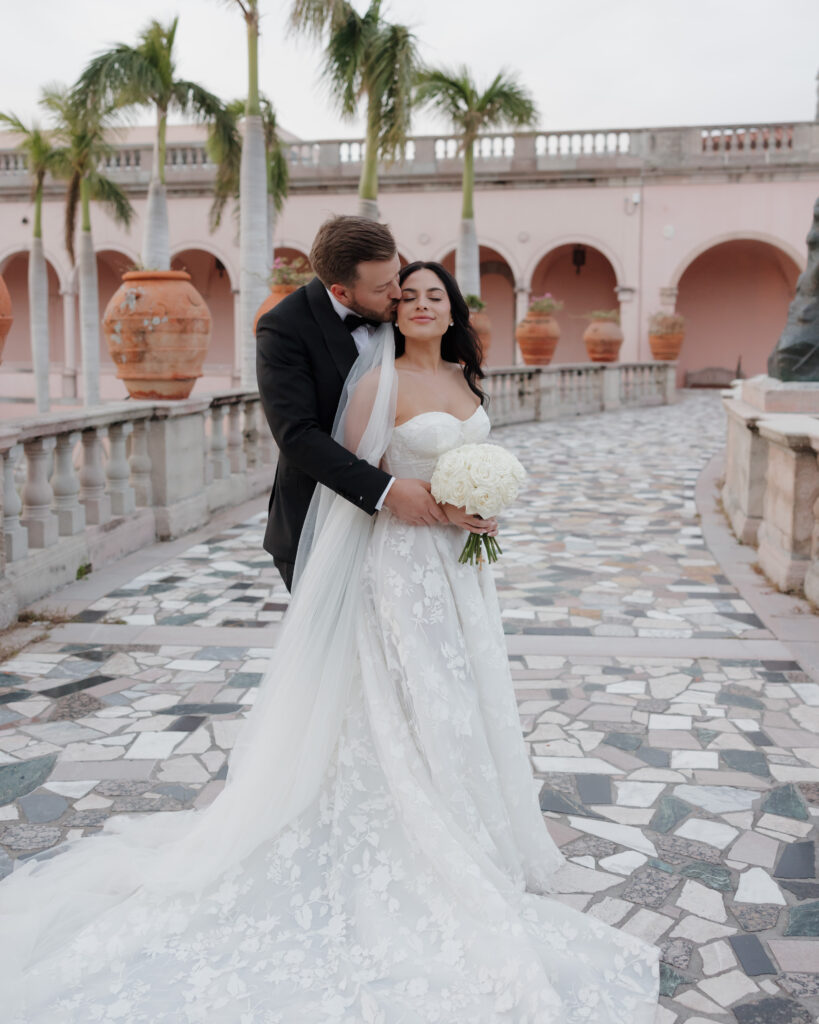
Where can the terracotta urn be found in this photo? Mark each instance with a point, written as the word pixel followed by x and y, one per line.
pixel 6 317
pixel 157 326
pixel 666 347
pixel 483 328
pixel 538 335
pixel 277 293
pixel 603 339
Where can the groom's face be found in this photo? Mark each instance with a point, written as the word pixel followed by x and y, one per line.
pixel 375 291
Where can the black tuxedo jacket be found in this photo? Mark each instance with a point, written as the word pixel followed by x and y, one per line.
pixel 303 355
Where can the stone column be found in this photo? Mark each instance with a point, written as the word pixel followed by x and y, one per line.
pixel 66 487
pixel 140 464
pixel 15 537
pixel 176 447
pixel 523 297
pixel 236 372
pixel 38 519
pixel 219 465
pixel 629 322
pixel 121 493
pixel 69 297
pixel 92 479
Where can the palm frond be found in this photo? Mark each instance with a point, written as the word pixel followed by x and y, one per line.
pixel 112 197
pixel 312 17
pixel 345 57
pixel 123 76
pixel 390 73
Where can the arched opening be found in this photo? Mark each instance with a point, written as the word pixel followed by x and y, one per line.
pixel 17 351
pixel 294 256
pixel 735 299
pixel 210 278
pixel 583 279
pixel 498 292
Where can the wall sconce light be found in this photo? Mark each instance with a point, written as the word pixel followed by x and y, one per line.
pixel 219 266
pixel 578 257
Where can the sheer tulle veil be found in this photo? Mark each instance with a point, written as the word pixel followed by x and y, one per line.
pixel 281 755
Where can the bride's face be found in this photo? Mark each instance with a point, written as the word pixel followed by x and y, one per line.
pixel 423 312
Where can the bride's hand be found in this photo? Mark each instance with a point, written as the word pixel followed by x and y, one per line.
pixel 474 524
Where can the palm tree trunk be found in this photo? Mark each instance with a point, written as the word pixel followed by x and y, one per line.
pixel 254 254
pixel 271 226
pixel 368 183
pixel 156 246
pixel 89 306
pixel 38 316
pixel 467 255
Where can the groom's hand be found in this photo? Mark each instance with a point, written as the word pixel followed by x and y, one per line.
pixel 410 500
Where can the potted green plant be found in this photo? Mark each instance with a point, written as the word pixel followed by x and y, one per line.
pixel 603 337
pixel 666 332
pixel 539 332
pixel 286 276
pixel 479 319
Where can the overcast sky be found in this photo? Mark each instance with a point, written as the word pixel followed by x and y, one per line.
pixel 588 63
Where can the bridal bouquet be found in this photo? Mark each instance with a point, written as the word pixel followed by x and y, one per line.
pixel 483 479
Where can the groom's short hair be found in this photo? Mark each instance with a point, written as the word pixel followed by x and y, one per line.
pixel 344 242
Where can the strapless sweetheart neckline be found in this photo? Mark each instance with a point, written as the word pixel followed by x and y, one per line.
pixel 438 412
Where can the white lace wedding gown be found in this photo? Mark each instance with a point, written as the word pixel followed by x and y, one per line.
pixel 410 891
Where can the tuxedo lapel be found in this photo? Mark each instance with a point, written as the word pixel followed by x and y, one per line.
pixel 336 337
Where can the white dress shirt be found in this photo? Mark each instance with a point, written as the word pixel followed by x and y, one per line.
pixel 362 336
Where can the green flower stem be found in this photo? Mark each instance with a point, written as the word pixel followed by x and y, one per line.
pixel 473 549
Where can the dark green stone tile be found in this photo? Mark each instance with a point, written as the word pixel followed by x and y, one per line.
pixel 803 920
pixel 798 860
pixel 751 955
pixel 713 875
pixel 561 803
pixel 740 700
pixel 786 801
pixel 772 1011
pixel 670 811
pixel 706 735
pixel 752 761
pixel 24 776
pixel 670 980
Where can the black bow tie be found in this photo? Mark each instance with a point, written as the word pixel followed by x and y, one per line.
pixel 353 320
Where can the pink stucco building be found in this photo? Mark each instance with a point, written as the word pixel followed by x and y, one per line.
pixel 709 221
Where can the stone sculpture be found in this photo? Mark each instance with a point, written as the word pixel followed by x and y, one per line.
pixel 796 356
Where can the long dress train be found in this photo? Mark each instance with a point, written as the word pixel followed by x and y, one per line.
pixel 414 888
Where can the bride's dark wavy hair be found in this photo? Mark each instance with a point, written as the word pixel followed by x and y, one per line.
pixel 460 343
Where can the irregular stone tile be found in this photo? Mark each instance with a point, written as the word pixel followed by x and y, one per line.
pixel 610 910
pixel 752 761
pixel 622 740
pixel 649 887
pixel 717 957
pixel 752 956
pixel 810 791
pixel 702 901
pixel 656 758
pixel 647 925
pixel 772 1011
pixel 594 789
pixel 802 890
pixel 560 803
pixel 42 807
pixel 785 801
pixel 623 863
pixel 713 833
pixel 677 953
pixel 29 837
pixel 717 799
pixel 700 930
pixel 712 875
pixel 800 984
pixel 624 835
pixel 754 848
pixel 727 989
pixel 798 860
pixel 677 850
pixel 757 886
pixel 803 920
pixel 24 776
pixel 756 917
pixel 670 980
pixel 593 845
pixel 794 954
pixel 670 812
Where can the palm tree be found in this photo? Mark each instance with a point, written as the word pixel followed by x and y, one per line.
pixel 228 164
pixel 365 58
pixel 255 254
pixel 142 75
pixel 41 157
pixel 81 129
pixel 504 103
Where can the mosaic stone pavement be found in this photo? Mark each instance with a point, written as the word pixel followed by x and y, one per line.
pixel 684 789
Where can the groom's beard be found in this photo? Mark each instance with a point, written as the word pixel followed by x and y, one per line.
pixel 382 316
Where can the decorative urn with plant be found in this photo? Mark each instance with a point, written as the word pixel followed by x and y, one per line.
pixel 5 315
pixel 665 335
pixel 604 336
pixel 479 319
pixel 157 327
pixel 539 332
pixel 286 276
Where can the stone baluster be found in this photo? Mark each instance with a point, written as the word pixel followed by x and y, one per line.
pixel 120 492
pixel 38 519
pixel 251 433
pixel 236 453
pixel 66 487
pixel 15 537
pixel 140 463
pixel 92 479
pixel 219 463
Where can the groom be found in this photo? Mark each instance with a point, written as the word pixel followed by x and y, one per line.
pixel 305 347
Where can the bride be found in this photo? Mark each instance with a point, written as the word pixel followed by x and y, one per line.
pixel 378 855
